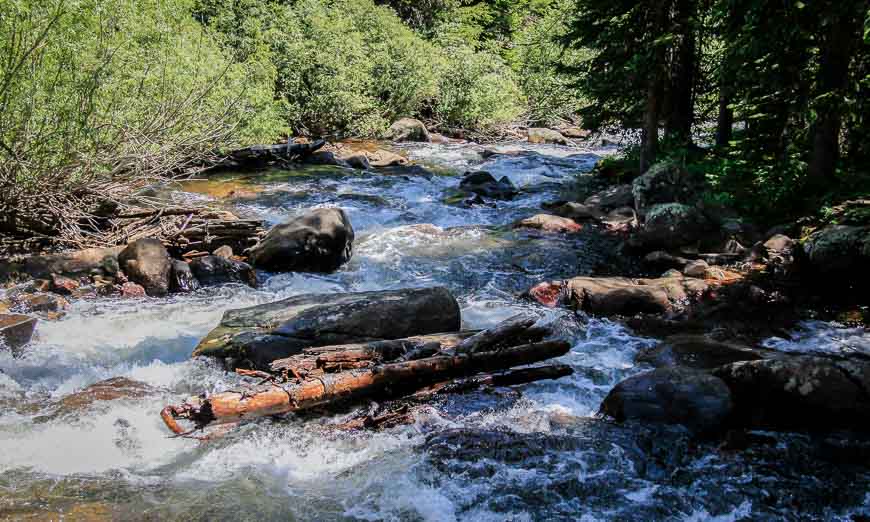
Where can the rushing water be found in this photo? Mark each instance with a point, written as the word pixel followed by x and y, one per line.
pixel 536 453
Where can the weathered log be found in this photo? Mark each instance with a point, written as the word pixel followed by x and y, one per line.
pixel 256 336
pixel 345 356
pixel 515 330
pixel 329 389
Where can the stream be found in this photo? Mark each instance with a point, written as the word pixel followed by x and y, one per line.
pixel 532 453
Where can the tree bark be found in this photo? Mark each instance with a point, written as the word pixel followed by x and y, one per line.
pixel 274 399
pixel 681 113
pixel 650 133
pixel 833 74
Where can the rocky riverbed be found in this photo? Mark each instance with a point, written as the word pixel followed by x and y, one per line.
pixel 534 452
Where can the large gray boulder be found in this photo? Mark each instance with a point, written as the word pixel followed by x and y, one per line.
pixel 258 335
pixel 612 197
pixel 671 225
pixel 407 129
pixel 841 253
pixel 665 182
pixel 693 398
pixel 146 262
pixel 318 241
pixel 800 393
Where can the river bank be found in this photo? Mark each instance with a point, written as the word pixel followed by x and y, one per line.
pixel 541 454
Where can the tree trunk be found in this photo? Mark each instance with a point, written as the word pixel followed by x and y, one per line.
pixel 650 133
pixel 836 53
pixel 681 113
pixel 725 121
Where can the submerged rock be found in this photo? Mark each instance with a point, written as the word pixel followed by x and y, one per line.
pixel 407 129
pixel 540 135
pixel 146 262
pixel 800 393
pixel 549 223
pixel 16 330
pixel 696 351
pixel 318 241
pixel 107 390
pixel 260 334
pixel 692 398
pixel 216 270
pixel 484 184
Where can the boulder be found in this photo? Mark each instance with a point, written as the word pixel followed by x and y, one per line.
pixel 575 133
pixel 671 225
pixel 384 158
pixel 358 161
pixel 611 198
pixel 576 211
pixel 800 393
pixel 692 398
pixel 841 253
pixel 16 330
pixel 146 262
pixel 182 279
pixel 258 335
pixel 549 223
pixel 661 260
pixel 696 351
pixel 132 290
pixel 484 184
pixel 320 240
pixel 620 219
pixel 540 135
pixel 609 296
pixel 665 182
pixel 325 157
pixel 407 129
pixel 215 270
pixel 39 302
pixel 697 268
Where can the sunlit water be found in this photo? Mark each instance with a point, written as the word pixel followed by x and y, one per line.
pixel 533 453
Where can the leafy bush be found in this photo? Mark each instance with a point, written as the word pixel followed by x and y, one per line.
pixel 100 97
pixel 477 90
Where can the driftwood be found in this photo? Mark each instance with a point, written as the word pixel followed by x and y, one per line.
pixel 262 156
pixel 393 379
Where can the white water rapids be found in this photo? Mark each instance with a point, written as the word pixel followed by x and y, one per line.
pixel 534 455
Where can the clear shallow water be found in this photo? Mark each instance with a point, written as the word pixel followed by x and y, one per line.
pixel 535 455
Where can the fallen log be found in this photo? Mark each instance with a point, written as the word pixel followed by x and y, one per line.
pixel 328 389
pixel 404 413
pixel 331 359
pixel 515 330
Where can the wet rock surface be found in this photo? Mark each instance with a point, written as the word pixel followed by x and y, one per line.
pixel 695 399
pixel 147 263
pixel 216 270
pixel 697 351
pixel 318 241
pixel 484 184
pixel 263 333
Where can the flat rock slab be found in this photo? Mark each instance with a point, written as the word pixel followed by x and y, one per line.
pixel 16 330
pixel 256 336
